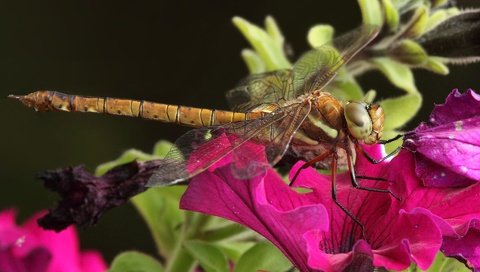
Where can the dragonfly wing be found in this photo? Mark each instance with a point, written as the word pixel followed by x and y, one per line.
pixel 248 162
pixel 316 68
pixel 265 88
pixel 253 144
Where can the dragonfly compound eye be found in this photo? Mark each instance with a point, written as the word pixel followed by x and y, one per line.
pixel 358 119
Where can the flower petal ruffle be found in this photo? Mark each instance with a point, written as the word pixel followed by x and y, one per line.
pixel 264 203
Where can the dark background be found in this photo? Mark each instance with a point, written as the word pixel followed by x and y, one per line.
pixel 168 51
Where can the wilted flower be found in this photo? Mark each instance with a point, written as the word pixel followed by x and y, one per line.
pixel 86 197
pixel 447 147
pixel 29 248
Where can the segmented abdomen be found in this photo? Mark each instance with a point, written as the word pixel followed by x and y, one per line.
pixel 189 116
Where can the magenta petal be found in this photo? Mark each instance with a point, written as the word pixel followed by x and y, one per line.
pixel 448 146
pixel 359 259
pixel 466 247
pixel 63 245
pixel 453 210
pixel 38 260
pixel 315 234
pixel 264 203
pixel 396 237
pixel 30 248
pixel 457 106
pixel 418 239
pixel 92 261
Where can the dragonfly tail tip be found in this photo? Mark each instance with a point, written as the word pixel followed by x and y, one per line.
pixel 14 96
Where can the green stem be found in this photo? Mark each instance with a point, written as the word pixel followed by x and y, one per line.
pixel 178 256
pixel 180 260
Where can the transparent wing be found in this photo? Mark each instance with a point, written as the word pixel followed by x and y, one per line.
pixel 253 145
pixel 316 68
pixel 257 89
pixel 313 71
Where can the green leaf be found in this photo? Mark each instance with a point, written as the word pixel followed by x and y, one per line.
pixel 399 74
pixel 224 232
pixel 371 12
pixel 128 156
pixel 182 262
pixel 435 64
pixel 418 23
pixel 399 110
pixel 210 257
pixel 346 90
pixel 273 30
pixel 391 14
pixel 263 256
pixel 268 47
pixel 161 148
pixel 320 34
pixel 159 209
pixel 409 52
pixel 445 264
pixel 436 3
pixel 254 63
pixel 234 250
pixel 133 261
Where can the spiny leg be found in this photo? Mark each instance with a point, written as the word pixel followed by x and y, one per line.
pixel 334 197
pixel 321 157
pixel 391 140
pixel 353 177
pixel 374 161
pixel 371 178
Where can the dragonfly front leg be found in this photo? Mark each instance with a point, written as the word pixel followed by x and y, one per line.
pixel 355 183
pixel 374 161
pixel 390 140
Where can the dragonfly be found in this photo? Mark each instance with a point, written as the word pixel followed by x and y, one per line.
pixel 289 109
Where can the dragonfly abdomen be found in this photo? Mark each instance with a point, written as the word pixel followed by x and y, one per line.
pixel 189 116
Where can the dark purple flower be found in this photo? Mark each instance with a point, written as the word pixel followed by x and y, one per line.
pixel 447 148
pixel 315 234
pixel 85 197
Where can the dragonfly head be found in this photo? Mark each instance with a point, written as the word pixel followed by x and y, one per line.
pixel 364 121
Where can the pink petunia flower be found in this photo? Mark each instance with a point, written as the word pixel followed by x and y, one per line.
pixel 316 235
pixel 30 248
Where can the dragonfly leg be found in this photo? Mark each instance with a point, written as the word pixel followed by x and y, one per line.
pixel 374 161
pixel 334 197
pixel 355 183
pixel 391 140
pixel 371 178
pixel 320 157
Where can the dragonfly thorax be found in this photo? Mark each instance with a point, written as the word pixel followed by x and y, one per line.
pixel 364 121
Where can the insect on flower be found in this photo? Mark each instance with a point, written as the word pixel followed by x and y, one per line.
pixel 281 110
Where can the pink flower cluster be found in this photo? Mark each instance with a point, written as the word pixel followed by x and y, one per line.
pixel 29 248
